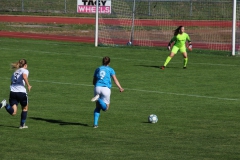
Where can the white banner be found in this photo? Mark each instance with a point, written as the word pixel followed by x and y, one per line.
pixel 89 6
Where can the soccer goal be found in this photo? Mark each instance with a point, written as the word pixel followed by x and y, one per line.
pixel 151 23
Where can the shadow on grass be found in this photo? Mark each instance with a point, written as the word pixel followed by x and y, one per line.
pixel 9 126
pixel 147 122
pixel 57 121
pixel 149 66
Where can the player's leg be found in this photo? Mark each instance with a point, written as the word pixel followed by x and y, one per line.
pixel 185 57
pixel 103 102
pixel 104 99
pixel 96 115
pixel 14 108
pixel 3 103
pixel 11 108
pixel 171 55
pixel 23 117
pixel 24 103
pixel 96 112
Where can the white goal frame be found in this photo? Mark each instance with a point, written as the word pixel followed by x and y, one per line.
pixel 132 27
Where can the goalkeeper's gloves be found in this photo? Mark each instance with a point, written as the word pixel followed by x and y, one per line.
pixel 169 46
pixel 190 46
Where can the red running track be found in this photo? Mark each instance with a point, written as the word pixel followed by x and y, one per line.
pixel 40 19
pixel 46 37
pixel 142 22
pixel 77 20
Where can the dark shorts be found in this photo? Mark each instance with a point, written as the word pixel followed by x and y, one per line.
pixel 18 97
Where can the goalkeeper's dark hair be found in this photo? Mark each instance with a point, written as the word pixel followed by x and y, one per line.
pixel 105 61
pixel 177 31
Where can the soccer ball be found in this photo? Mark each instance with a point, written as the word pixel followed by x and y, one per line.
pixel 129 43
pixel 152 118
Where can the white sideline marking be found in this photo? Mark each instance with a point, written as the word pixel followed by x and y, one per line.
pixel 189 95
pixel 140 90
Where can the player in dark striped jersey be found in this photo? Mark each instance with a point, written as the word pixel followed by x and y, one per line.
pixel 18 93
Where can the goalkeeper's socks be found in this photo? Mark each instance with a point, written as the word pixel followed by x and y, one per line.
pixel 167 60
pixel 185 61
pixel 9 109
pixel 102 104
pixel 96 115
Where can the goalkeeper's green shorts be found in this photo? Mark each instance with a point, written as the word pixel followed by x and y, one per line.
pixel 175 49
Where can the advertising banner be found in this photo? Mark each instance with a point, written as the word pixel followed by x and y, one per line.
pixel 89 6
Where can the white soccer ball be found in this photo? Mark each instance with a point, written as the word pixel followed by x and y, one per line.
pixel 129 43
pixel 152 118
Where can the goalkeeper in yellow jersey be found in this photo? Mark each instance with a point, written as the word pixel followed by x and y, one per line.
pixel 179 39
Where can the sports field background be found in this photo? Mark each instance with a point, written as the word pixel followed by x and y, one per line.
pixel 197 108
pixel 209 23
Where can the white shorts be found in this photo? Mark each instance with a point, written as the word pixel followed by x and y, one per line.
pixel 104 93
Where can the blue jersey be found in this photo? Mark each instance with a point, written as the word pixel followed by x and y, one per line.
pixel 103 75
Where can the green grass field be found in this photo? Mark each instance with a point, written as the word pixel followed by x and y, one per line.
pixel 197 108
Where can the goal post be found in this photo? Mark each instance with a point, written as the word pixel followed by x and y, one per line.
pixel 96 26
pixel 234 27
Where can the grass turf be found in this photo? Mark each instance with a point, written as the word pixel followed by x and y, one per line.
pixel 197 108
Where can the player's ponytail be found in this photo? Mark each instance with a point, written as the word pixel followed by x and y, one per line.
pixel 19 64
pixel 105 61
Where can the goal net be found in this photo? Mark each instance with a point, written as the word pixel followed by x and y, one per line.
pixel 151 22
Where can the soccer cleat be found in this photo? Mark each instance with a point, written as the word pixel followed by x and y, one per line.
pixel 162 67
pixel 95 126
pixel 95 98
pixel 184 67
pixel 23 127
pixel 3 103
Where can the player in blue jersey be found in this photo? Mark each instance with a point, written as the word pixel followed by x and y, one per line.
pixel 102 88
pixel 18 93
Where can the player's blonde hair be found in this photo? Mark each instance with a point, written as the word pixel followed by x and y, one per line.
pixel 19 64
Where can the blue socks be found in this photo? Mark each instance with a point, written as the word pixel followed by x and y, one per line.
pixel 96 115
pixel 97 111
pixel 23 114
pixel 9 109
pixel 23 117
pixel 102 104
